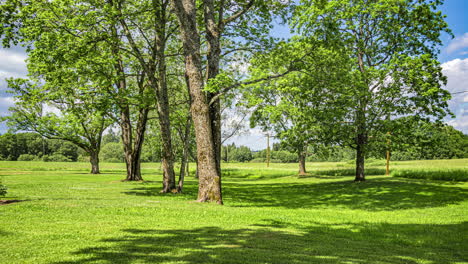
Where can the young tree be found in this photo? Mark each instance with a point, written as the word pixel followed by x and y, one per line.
pixel 394 46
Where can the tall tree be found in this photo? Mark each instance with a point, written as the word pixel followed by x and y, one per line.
pixel 394 46
pixel 219 19
pixel 296 105
pixel 148 33
pixel 68 37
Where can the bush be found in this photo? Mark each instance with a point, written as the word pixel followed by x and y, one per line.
pixel 441 175
pixel 55 158
pixel 83 158
pixel 112 152
pixel 258 160
pixel 283 157
pixel 28 157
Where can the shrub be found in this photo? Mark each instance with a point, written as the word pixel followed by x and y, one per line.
pixel 55 158
pixel 28 157
pixel 441 175
pixel 258 160
pixel 112 152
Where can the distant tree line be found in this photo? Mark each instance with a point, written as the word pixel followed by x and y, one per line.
pixel 426 141
pixel 422 141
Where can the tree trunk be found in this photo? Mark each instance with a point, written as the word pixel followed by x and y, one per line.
pixel 302 163
pixel 185 155
pixel 162 103
pixel 210 178
pixel 213 35
pixel 94 160
pixel 360 157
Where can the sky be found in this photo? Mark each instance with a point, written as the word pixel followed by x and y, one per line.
pixel 453 56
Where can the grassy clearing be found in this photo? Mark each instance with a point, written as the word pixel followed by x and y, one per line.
pixel 270 216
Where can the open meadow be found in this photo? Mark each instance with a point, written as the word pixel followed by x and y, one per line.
pixel 270 215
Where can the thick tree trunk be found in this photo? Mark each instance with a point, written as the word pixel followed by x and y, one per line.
pixel 210 178
pixel 94 160
pixel 132 161
pixel 213 35
pixel 360 157
pixel 302 163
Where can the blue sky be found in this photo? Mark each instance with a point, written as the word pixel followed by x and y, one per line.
pixel 453 56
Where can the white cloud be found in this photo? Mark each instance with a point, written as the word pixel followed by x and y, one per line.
pixel 5 103
pixel 13 61
pixel 457 79
pixel 458 43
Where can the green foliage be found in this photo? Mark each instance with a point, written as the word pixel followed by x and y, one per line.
pixel 55 158
pixel 242 154
pixel 441 175
pixel 28 157
pixel 112 152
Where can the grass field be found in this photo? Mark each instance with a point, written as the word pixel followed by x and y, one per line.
pixel 270 216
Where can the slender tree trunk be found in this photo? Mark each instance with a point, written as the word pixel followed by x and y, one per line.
pixel 302 163
pixel 210 178
pixel 162 100
pixel 165 129
pixel 184 162
pixel 94 160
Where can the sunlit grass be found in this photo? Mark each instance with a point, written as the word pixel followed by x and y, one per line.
pixel 270 216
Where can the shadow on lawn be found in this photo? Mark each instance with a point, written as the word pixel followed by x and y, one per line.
pixel 379 194
pixel 365 243
pixel 373 195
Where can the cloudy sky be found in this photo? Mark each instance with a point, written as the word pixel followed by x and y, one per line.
pixel 454 59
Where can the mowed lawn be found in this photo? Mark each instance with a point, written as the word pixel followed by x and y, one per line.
pixel 270 216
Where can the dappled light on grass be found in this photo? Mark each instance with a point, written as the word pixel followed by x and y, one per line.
pixel 270 216
pixel 373 195
pixel 273 243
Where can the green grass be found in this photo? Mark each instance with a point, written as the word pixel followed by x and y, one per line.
pixel 441 175
pixel 270 216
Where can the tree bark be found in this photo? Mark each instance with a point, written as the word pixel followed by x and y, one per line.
pixel 210 178
pixel 360 157
pixel 165 126
pixel 94 160
pixel 302 163
pixel 185 155
pixel 213 35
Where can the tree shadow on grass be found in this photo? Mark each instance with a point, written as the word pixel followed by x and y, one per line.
pixel 153 188
pixel 378 194
pixel 233 174
pixel 363 243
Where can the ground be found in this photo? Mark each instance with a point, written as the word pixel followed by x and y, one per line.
pixel 271 215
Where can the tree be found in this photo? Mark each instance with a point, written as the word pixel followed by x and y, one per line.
pixel 66 38
pixel 394 46
pixel 71 117
pixel 295 106
pixel 218 21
